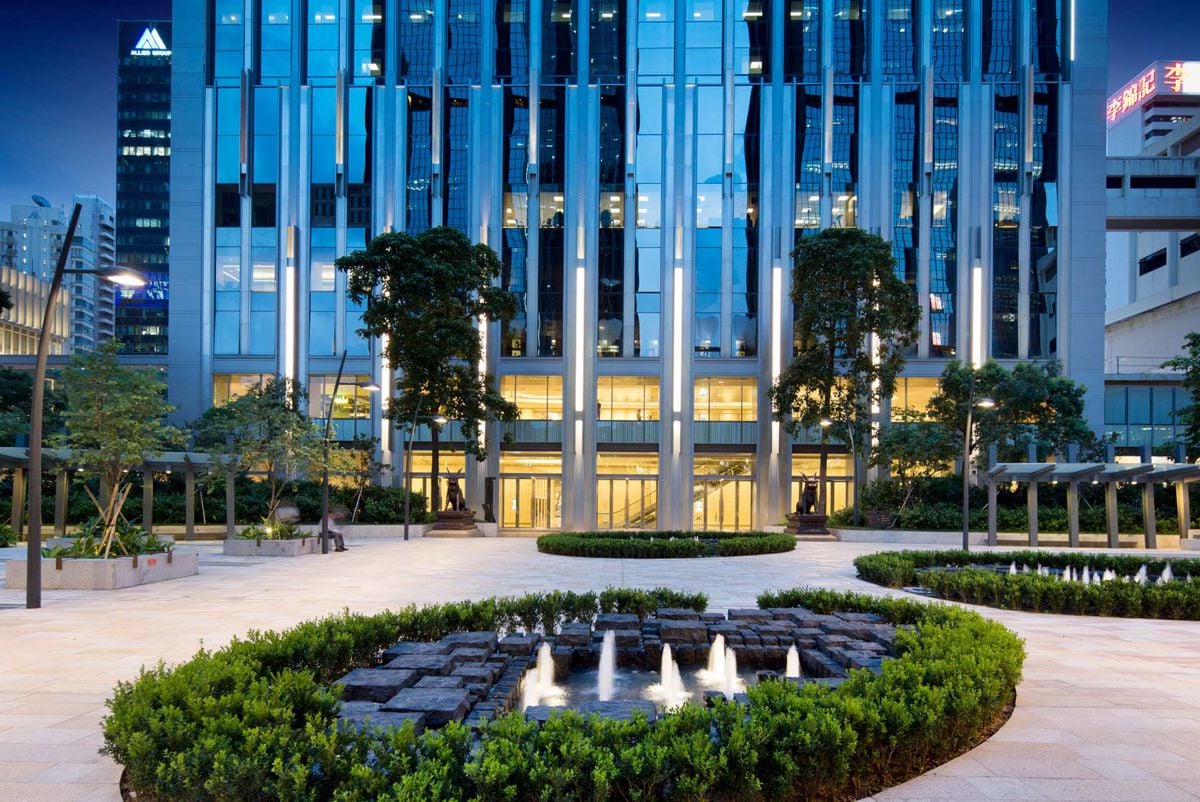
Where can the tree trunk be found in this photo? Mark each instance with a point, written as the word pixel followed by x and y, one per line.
pixel 435 486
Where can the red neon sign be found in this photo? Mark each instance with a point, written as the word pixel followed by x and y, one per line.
pixel 1132 95
pixel 1173 76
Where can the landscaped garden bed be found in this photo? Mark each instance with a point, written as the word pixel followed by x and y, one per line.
pixel 263 718
pixel 1077 583
pixel 272 539
pixel 650 545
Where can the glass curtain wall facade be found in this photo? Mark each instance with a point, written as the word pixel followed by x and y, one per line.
pixel 643 168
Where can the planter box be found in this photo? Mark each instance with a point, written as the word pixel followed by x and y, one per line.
pixel 112 574
pixel 55 542
pixel 242 547
pixel 906 537
pixel 369 531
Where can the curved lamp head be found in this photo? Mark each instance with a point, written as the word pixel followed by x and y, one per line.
pixel 826 423
pixel 441 420
pixel 123 277
pixel 370 387
pixel 985 403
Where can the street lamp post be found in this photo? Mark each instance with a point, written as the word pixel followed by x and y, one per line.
pixel 121 276
pixel 439 420
pixel 337 382
pixel 983 403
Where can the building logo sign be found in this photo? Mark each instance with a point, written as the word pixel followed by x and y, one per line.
pixel 1161 78
pixel 150 44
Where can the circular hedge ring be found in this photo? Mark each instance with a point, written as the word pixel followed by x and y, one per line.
pixel 661 545
pixel 1046 582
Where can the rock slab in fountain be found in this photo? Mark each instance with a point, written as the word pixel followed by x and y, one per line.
pixel 517 645
pixel 414 647
pixel 621 710
pixel 438 682
pixel 375 684
pixel 438 705
pixel 673 632
pixel 360 715
pixel 471 640
pixel 574 635
pixel 425 663
pixel 543 713
pixel 619 621
pixel 676 614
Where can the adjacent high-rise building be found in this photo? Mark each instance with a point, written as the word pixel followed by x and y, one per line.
pixel 644 170
pixel 143 180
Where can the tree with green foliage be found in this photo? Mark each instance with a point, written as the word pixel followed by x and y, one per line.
pixel 264 430
pixel 913 447
pixel 1034 403
pixel 114 416
pixel 16 400
pixel 846 296
pixel 5 300
pixel 428 295
pixel 1188 363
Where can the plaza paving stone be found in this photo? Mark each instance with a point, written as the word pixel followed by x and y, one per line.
pixel 1109 709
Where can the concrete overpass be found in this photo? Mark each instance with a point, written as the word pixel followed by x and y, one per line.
pixel 1156 193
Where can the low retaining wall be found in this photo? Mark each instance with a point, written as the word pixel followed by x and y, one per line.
pixel 66 542
pixel 916 537
pixel 906 537
pixel 294 547
pixel 370 531
pixel 111 574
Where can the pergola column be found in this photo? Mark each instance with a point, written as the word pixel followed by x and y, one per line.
pixel 148 499
pixel 991 536
pixel 1073 514
pixel 230 502
pixel 1183 506
pixel 1111 520
pixel 1149 523
pixel 1031 506
pixel 18 500
pixel 61 486
pixel 189 484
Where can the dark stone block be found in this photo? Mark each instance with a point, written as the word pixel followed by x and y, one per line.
pixel 375 684
pixel 368 715
pixel 621 710
pixel 866 618
pixel 543 713
pixel 606 621
pixel 425 664
pixel 685 654
pixel 414 647
pixel 796 615
pixel 438 682
pixel 471 655
pixel 749 614
pixel 476 674
pixel 712 618
pixel 562 660
pixel 630 658
pixel 765 675
pixel 574 635
pixel 712 697
pixel 471 640
pixel 676 614
pixel 517 645
pixel 819 664
pixel 765 630
pixel 683 632
pixel 438 705
pixel 627 638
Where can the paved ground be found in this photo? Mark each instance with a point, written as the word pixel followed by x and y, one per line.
pixel 1108 710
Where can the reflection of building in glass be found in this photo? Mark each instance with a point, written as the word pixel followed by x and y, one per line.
pixel 643 168
pixel 21 325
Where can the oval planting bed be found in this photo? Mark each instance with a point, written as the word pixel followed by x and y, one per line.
pixel 889 688
pixel 650 545
pixel 1076 583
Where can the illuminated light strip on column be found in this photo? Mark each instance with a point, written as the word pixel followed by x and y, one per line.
pixel 289 305
pixel 977 316
pixel 385 392
pixel 580 301
pixel 1073 26
pixel 776 341
pixel 677 359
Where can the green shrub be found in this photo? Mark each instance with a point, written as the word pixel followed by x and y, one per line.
pixel 87 542
pixel 255 720
pixel 668 544
pixel 1179 599
pixel 273 530
pixel 8 536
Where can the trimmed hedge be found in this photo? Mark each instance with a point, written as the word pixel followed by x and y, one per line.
pixel 658 545
pixel 1031 592
pixel 255 720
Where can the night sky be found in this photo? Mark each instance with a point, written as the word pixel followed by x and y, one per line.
pixel 58 83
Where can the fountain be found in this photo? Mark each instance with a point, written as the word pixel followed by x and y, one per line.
pixel 1087 576
pixel 670 689
pixel 1109 575
pixel 1167 576
pixel 539 682
pixel 733 683
pixel 793 662
pixel 608 666
pixel 1140 576
pixel 1012 569
pixel 716 658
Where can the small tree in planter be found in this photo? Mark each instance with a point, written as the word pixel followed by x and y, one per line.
pixel 264 430
pixel 114 416
pixel 912 448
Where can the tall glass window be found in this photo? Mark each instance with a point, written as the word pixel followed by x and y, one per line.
pixel 227 298
pixel 1043 224
pixel 560 30
pixel 649 156
pixel 355 343
pixel 899 56
pixel 275 41
pixel 656 41
pixel 323 155
pixel 538 398
pixel 747 175
pixel 552 158
pixel 849 38
pixel 465 42
pixel 703 31
pixel 709 166
pixel 802 41
pixel 322 42
pixel 948 40
pixel 514 246
pixel 707 284
pixel 512 40
pixel 606 58
pixel 1006 220
pixel 906 162
pixel 752 40
pixel 360 161
pixel 414 36
pixel 810 157
pixel 266 156
pixel 369 33
pixel 1047 38
pixel 844 172
pixel 419 159
pixel 228 200
pixel 943 257
pixel 999 38
pixel 647 273
pixel 227 42
pixel 610 336
pixel 626 491
pixel 322 308
pixel 456 137
pixel 263 289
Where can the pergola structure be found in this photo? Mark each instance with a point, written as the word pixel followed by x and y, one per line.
pixel 1031 474
pixel 189 462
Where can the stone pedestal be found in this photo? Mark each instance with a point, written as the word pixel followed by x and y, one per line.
pixel 455 523
pixel 806 524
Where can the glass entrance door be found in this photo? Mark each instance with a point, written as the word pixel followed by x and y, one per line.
pixel 531 502
pixel 626 503
pixel 725 505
